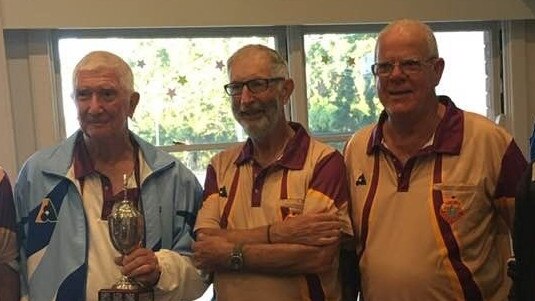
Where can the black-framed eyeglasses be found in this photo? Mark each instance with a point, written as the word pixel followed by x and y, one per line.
pixel 408 66
pixel 256 85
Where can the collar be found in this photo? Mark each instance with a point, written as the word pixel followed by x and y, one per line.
pixel 448 136
pixel 294 154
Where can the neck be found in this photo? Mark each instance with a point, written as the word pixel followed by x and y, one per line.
pixel 270 148
pixel 405 136
pixel 109 150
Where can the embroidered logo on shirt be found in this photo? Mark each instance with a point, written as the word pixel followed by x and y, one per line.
pixel 47 212
pixel 223 192
pixel 451 209
pixel 361 180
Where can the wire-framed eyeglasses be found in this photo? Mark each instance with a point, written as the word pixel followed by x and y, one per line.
pixel 256 85
pixel 408 66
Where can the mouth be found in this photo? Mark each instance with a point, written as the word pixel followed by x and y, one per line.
pixel 399 93
pixel 251 114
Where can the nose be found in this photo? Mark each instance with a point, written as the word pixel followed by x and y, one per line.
pixel 94 104
pixel 396 70
pixel 246 96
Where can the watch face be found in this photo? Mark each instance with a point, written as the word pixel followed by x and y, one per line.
pixel 236 261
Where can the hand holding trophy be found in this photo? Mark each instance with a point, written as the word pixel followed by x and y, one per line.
pixel 126 228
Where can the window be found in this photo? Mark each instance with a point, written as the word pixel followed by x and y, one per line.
pixel 180 80
pixel 341 88
pixel 180 75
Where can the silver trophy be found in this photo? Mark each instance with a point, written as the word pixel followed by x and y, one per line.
pixel 126 228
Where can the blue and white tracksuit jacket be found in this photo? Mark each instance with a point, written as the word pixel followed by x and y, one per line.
pixel 54 249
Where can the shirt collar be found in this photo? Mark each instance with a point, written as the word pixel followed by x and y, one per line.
pixel 448 136
pixel 294 154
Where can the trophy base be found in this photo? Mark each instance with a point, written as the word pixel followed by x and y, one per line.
pixel 114 294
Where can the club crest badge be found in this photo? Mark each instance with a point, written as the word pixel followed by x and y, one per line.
pixel 451 209
pixel 47 212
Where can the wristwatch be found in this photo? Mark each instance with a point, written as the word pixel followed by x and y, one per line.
pixel 236 257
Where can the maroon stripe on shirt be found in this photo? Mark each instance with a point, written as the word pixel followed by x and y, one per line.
pixel 232 194
pixel 513 166
pixel 369 201
pixel 210 183
pixel 315 289
pixel 329 178
pixel 7 207
pixel 284 185
pixel 470 289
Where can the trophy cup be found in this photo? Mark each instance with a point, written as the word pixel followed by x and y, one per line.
pixel 126 228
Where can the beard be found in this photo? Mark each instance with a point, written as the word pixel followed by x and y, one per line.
pixel 257 118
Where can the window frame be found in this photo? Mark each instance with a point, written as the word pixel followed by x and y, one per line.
pixel 289 41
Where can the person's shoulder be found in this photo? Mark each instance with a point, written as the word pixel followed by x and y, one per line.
pixel 479 125
pixel 361 137
pixel 58 152
pixel 230 154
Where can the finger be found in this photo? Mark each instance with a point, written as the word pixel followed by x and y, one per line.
pixel 143 270
pixel 139 252
pixel 118 260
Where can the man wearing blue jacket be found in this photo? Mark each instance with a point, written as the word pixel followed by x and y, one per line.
pixel 64 195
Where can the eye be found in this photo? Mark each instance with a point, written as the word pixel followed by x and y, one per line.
pixel 384 67
pixel 257 85
pixel 410 64
pixel 108 94
pixel 234 88
pixel 82 94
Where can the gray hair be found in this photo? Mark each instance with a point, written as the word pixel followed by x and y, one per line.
pixel 278 63
pixel 103 60
pixel 413 24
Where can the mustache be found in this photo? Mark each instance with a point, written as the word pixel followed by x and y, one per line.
pixel 254 106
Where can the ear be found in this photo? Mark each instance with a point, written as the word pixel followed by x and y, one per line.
pixel 287 90
pixel 134 100
pixel 438 69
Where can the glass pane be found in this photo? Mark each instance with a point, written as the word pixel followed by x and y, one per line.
pixel 465 78
pixel 197 161
pixel 341 88
pixel 340 85
pixel 180 81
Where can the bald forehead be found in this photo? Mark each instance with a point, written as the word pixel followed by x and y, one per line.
pixel 250 64
pixel 253 55
pixel 410 32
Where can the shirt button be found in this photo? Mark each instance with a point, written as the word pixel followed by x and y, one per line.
pixel 256 190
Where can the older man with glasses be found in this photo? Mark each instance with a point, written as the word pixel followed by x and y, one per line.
pixel 275 208
pixel 432 187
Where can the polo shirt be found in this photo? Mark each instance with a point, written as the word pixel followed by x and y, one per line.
pixel 437 227
pixel 98 200
pixel 239 194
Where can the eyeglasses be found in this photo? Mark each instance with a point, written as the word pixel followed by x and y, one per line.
pixel 408 67
pixel 104 94
pixel 256 85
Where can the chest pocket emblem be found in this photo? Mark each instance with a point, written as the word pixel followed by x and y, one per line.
pixel 47 212
pixel 451 209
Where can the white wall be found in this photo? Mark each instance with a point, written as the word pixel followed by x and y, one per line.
pixel 162 13
pixel 28 100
